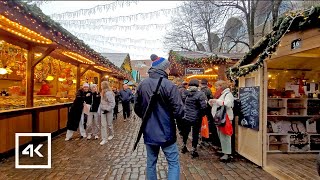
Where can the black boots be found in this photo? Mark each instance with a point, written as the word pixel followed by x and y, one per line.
pixel 194 153
pixel 184 149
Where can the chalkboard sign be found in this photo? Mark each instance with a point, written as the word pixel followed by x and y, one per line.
pixel 249 113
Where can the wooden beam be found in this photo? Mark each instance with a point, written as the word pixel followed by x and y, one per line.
pixel 78 77
pixel 30 78
pixel 86 69
pixel 45 54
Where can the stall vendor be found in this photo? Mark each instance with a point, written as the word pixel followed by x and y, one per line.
pixel 45 89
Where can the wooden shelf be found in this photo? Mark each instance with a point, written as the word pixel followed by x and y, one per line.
pixel 296 108
pixel 277 143
pixel 276 107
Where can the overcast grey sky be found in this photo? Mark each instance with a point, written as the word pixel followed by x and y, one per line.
pixel 139 42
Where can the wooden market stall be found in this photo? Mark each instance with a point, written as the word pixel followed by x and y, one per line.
pixel 278 127
pixel 191 64
pixel 41 67
pixel 122 61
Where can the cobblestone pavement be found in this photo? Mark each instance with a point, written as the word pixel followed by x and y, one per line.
pixel 86 159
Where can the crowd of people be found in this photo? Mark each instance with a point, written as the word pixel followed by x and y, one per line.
pixel 92 109
pixel 179 106
pixel 184 107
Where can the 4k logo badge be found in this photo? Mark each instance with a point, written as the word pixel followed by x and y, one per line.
pixel 32 151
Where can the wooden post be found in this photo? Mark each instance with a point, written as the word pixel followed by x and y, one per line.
pixel 222 72
pixel 100 80
pixel 78 77
pixel 30 77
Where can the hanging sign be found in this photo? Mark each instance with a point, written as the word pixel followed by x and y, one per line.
pixel 192 71
pixel 296 44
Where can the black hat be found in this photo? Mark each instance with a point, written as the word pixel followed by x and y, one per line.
pixel 194 82
pixel 204 81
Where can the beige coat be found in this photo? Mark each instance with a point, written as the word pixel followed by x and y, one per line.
pixel 227 100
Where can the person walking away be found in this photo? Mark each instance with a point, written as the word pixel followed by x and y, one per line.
pixel 212 128
pixel 125 97
pixel 76 115
pixel 116 107
pixel 223 97
pixel 160 130
pixel 93 117
pixel 182 90
pixel 195 108
pixel 106 108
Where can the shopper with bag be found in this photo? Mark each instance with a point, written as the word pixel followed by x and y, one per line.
pixel 195 106
pixel 93 117
pixel 222 113
pixel 76 114
pixel 106 109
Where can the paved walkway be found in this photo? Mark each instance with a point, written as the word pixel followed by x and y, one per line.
pixel 84 159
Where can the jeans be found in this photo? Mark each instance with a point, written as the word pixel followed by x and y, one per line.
pixel 106 122
pixel 172 155
pixel 126 109
pixel 81 126
pixel 93 124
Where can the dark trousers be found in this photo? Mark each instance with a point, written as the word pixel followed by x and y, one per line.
pixel 126 109
pixel 195 132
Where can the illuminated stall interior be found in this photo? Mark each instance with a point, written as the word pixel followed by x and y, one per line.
pixel 41 68
pixel 12 76
pixel 293 102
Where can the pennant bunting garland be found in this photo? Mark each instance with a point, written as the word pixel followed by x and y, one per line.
pixel 129 18
pixel 100 38
pixel 92 11
pixel 134 27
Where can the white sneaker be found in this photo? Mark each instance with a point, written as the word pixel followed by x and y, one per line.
pixel 124 120
pixel 96 137
pixel 89 137
pixel 103 142
pixel 110 137
pixel 67 139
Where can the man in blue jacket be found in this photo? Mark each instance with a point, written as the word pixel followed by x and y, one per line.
pixel 126 96
pixel 160 130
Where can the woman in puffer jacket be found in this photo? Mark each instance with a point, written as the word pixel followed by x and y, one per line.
pixel 195 106
pixel 106 108
pixel 223 97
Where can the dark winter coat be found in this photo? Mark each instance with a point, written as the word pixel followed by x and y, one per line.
pixel 207 92
pixel 76 108
pixel 96 97
pixel 195 104
pixel 182 91
pixel 161 127
pixel 126 95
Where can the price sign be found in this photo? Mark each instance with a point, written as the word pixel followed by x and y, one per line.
pixel 192 71
pixel 296 44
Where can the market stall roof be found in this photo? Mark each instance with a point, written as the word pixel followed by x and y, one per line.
pixel 31 17
pixel 119 59
pixel 201 54
pixel 292 21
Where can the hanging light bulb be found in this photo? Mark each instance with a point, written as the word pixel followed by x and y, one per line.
pixel 3 71
pixel 50 78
